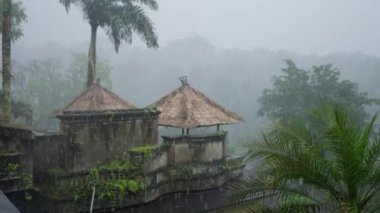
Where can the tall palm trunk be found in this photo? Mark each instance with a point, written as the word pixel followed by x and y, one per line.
pixel 6 59
pixel 91 68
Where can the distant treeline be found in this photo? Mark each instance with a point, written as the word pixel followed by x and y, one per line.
pixel 233 77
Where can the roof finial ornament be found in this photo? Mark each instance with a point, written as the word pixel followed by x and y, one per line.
pixel 183 80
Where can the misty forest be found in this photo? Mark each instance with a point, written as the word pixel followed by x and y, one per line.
pixel 198 106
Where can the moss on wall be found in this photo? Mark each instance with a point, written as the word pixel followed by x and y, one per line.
pixel 99 141
pixel 112 181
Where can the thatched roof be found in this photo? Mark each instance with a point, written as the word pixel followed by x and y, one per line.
pixel 186 107
pixel 96 99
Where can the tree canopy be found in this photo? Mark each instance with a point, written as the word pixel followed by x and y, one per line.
pixel 18 16
pixel 120 19
pixel 46 85
pixel 21 111
pixel 297 90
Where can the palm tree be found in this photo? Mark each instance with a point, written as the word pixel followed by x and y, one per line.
pixel 120 19
pixel 10 20
pixel 330 165
pixel 6 58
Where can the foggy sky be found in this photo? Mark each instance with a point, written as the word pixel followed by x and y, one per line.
pixel 304 26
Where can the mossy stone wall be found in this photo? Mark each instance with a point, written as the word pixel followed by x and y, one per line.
pixel 16 150
pixel 101 138
pixel 51 151
pixel 196 149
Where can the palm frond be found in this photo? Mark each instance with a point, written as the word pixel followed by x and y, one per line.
pixel 144 27
pixel 119 18
pixel 67 3
pixel 372 157
pixel 126 19
pixel 152 4
pixel 334 166
pixel 373 207
pixel 345 141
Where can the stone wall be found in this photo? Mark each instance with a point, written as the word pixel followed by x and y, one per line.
pixel 186 163
pixel 51 152
pixel 196 149
pixel 85 141
pixel 99 138
pixel 157 160
pixel 16 158
pixel 158 182
pixel 175 182
pixel 183 163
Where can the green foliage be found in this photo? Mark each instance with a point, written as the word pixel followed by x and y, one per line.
pixel 27 179
pixel 117 165
pixel 114 189
pixel 9 169
pixel 28 196
pixel 13 167
pixel 329 165
pixel 298 90
pixel 20 110
pixel 76 73
pixel 18 16
pixel 56 171
pixel 121 183
pixel 146 150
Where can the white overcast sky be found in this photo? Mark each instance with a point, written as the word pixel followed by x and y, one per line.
pixel 304 26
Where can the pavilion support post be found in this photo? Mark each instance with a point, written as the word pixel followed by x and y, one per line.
pixel 183 131
pixel 187 131
pixel 217 127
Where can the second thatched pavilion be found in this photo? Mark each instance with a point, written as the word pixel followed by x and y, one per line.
pixel 188 108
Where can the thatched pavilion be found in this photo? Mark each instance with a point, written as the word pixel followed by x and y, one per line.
pixel 105 126
pixel 96 99
pixel 188 108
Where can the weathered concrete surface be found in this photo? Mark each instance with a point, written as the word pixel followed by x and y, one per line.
pixel 16 145
pixel 184 202
pixel 196 149
pixel 182 153
pixel 190 178
pixel 208 152
pixel 51 151
pixel 157 161
pixel 101 137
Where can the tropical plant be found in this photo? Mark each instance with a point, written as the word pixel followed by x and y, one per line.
pixel 119 19
pixel 298 90
pixel 12 16
pixel 18 16
pixel 329 166
pixel 122 183
pixel 6 58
